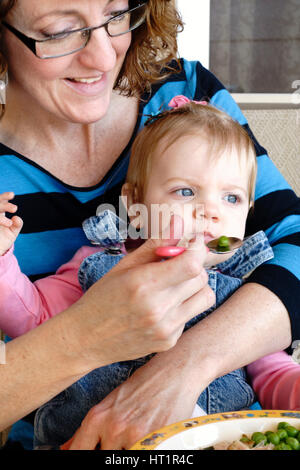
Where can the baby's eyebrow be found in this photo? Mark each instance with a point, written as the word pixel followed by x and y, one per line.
pixel 235 187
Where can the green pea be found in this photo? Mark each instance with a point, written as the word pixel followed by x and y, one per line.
pixel 293 443
pixel 223 243
pixel 273 438
pixel 282 446
pixel 281 433
pixel 292 432
pixel 282 425
pixel 258 437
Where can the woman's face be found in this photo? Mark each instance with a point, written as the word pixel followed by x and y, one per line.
pixel 60 85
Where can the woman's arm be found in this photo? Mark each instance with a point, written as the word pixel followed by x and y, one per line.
pixel 135 309
pixel 165 390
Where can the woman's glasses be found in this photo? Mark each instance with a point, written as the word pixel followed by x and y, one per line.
pixel 69 42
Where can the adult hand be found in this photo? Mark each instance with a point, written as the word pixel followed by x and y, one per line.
pixel 156 394
pixel 142 304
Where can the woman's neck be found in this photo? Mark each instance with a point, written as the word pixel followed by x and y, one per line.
pixel 78 154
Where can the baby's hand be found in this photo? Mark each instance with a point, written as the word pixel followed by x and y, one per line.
pixel 9 228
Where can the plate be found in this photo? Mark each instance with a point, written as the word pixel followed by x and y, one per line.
pixel 207 430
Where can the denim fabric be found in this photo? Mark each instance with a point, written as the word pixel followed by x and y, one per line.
pixel 58 419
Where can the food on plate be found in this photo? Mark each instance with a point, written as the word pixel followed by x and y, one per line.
pixel 286 437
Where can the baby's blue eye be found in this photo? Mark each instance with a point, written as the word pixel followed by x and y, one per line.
pixel 231 198
pixel 185 192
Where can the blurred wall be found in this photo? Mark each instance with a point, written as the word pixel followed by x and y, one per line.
pixel 255 44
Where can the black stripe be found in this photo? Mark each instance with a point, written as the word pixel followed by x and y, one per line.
pixel 56 211
pixel 293 239
pixel 272 208
pixel 258 148
pixel 178 76
pixel 207 84
pixel 286 286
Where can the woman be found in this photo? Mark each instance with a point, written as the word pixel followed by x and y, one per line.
pixel 70 153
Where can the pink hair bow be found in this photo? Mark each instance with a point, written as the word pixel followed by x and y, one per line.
pixel 181 100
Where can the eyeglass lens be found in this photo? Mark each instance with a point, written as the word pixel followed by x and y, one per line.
pixel 74 41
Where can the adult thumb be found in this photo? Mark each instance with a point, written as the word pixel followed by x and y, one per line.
pixel 146 252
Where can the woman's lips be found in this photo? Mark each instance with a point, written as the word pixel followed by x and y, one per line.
pixel 89 86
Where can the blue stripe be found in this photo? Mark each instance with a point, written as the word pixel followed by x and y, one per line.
pixel 54 248
pixel 269 178
pixel 224 101
pixel 287 226
pixel 287 256
pixel 190 68
pixel 21 177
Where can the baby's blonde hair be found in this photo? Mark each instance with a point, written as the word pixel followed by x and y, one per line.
pixel 216 128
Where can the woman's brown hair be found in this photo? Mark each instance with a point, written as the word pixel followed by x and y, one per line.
pixel 154 46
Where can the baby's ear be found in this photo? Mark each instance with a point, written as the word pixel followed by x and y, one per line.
pixel 129 195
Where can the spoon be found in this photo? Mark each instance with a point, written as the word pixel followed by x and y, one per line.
pixel 220 246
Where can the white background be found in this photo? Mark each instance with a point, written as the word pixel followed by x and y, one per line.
pixel 193 42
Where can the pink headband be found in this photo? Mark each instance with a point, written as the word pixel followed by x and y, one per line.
pixel 181 100
pixel 176 102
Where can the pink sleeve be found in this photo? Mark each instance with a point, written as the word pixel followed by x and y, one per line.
pixel 276 381
pixel 25 305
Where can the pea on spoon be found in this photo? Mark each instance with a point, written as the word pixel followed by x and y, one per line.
pixel 222 245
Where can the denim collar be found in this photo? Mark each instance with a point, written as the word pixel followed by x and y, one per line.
pixel 105 229
pixel 108 230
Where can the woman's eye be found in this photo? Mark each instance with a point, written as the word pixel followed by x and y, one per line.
pixel 232 198
pixel 57 35
pixel 118 16
pixel 185 192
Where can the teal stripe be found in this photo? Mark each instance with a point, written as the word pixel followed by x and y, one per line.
pixel 224 101
pixel 287 226
pixel 190 68
pixel 24 178
pixel 287 256
pixel 269 178
pixel 54 248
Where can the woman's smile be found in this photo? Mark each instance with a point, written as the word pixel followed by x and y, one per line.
pixel 87 86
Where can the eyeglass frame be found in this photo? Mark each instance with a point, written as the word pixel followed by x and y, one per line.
pixel 30 42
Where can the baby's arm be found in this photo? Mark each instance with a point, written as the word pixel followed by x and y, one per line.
pixel 25 305
pixel 276 381
pixel 9 228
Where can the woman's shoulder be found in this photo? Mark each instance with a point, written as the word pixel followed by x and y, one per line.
pixel 188 78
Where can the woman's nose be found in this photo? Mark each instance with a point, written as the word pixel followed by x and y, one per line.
pixel 99 53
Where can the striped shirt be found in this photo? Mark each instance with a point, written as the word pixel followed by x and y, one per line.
pixel 53 211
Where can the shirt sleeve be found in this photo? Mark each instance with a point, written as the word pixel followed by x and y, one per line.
pixel 25 305
pixel 276 208
pixel 276 381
